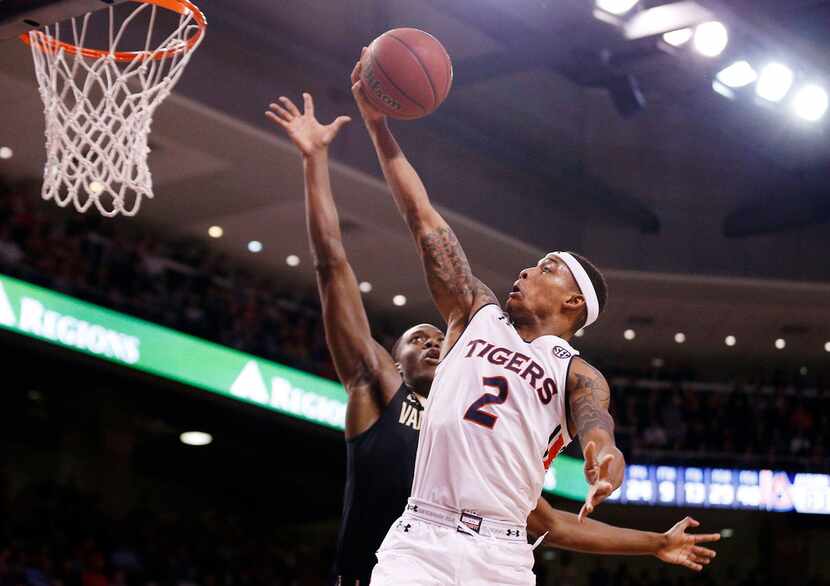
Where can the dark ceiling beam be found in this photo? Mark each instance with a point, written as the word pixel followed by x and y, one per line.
pixel 778 7
pixel 497 24
pixel 492 65
pixel 570 181
pixel 526 48
pixel 776 213
pixel 762 24
pixel 804 206
pixel 525 56
pixel 567 174
pixel 581 48
pixel 560 171
pixel 497 20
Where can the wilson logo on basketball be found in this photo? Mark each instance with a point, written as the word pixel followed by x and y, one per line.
pixel 375 88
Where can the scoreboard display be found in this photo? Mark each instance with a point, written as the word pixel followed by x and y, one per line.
pixel 759 490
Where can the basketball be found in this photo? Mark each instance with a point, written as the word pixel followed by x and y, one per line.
pixel 406 73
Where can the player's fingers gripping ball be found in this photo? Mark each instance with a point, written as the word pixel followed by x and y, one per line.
pixel 406 73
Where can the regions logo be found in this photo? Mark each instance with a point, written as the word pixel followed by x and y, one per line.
pixel 36 319
pixel 561 353
pixel 282 395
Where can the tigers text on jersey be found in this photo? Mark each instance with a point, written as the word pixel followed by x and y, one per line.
pixel 494 421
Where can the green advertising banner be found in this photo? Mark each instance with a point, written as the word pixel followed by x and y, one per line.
pixel 83 327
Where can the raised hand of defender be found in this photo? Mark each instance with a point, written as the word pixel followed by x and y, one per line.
pixel 682 548
pixel 369 113
pixel 598 477
pixel 303 129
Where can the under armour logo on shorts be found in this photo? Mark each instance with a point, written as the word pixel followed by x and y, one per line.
pixel 512 532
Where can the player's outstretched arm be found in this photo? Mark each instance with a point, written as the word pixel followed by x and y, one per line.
pixel 589 397
pixel 364 366
pixel 675 546
pixel 456 292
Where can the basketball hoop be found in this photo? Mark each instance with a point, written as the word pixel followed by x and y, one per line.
pixel 99 103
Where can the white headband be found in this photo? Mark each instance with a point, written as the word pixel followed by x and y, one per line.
pixel 583 281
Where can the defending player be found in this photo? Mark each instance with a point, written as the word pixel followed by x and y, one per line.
pixel 386 394
pixel 509 395
pixel 384 408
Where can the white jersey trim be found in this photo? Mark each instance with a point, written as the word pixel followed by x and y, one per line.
pixel 566 409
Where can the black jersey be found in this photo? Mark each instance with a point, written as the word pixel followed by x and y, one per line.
pixel 379 467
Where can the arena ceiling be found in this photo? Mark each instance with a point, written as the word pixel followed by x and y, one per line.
pixel 707 214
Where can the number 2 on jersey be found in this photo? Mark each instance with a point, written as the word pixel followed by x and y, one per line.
pixel 475 412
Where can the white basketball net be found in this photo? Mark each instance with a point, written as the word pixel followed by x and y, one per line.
pixel 99 110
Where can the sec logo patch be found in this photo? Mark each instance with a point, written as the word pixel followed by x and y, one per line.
pixel 561 353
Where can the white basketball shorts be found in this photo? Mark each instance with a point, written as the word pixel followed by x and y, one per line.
pixel 419 552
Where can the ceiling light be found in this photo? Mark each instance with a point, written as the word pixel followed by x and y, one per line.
pixel 723 90
pixel 616 7
pixel 780 343
pixel 399 300
pixel 739 74
pixel 679 37
pixel 255 246
pixel 803 370
pixel 6 153
pixel 292 260
pixel 730 340
pixel 96 187
pixel 810 103
pixel 774 82
pixel 629 334
pixel 827 346
pixel 680 337
pixel 711 38
pixel 365 287
pixel 195 438
pixel 215 231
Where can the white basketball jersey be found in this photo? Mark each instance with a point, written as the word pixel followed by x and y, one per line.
pixel 495 420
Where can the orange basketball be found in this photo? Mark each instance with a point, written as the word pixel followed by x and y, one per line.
pixel 406 73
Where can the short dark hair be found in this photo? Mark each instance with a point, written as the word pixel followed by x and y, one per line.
pixel 597 280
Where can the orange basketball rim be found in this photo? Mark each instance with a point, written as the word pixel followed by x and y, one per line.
pixel 182 7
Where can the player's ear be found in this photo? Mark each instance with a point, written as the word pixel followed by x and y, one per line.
pixel 399 367
pixel 574 301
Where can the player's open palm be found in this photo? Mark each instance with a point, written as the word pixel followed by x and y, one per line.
pixel 598 476
pixel 682 548
pixel 303 129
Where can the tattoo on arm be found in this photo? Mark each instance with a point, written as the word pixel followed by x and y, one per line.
pixel 446 262
pixel 589 399
pixel 448 270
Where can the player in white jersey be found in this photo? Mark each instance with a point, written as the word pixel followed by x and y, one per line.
pixel 509 394
pixel 380 384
